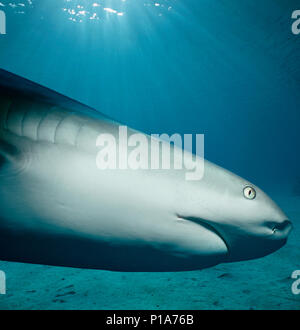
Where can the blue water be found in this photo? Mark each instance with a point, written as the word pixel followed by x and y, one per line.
pixel 228 69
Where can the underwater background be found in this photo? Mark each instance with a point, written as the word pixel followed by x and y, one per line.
pixel 229 69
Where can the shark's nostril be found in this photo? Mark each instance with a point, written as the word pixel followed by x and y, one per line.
pixel 283 227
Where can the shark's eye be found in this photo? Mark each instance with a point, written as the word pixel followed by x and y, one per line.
pixel 249 192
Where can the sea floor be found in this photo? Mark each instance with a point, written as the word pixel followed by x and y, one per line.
pixel 259 284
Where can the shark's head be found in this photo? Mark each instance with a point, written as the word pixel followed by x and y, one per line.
pixel 250 224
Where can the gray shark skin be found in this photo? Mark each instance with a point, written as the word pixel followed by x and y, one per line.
pixel 57 208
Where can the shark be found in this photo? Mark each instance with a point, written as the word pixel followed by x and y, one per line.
pixel 57 208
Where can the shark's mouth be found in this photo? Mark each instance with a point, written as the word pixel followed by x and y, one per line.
pixel 246 246
pixel 207 225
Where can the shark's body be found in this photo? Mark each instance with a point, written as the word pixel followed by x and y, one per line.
pixel 58 208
